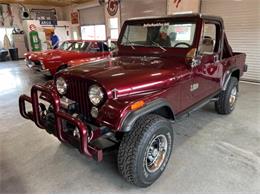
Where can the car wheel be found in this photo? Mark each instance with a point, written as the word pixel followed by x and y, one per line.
pixel 227 99
pixel 145 151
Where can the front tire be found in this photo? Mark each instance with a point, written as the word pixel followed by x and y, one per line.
pixel 144 152
pixel 227 99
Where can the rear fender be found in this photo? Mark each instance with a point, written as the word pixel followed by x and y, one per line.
pixel 227 76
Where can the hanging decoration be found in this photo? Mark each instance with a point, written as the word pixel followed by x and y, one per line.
pixel 112 7
pixel 75 17
pixel 10 14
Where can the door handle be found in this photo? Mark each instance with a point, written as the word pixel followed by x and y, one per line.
pixel 216 58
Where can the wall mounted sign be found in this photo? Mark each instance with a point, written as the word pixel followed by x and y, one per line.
pixel 32 27
pixel 112 7
pixel 183 6
pixel 176 3
pixel 74 17
pixel 48 22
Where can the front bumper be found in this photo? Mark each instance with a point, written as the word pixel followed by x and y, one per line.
pixel 38 68
pixel 82 143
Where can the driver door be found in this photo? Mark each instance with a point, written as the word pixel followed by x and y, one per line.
pixel 207 74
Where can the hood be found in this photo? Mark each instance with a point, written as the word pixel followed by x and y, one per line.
pixel 49 54
pixel 127 75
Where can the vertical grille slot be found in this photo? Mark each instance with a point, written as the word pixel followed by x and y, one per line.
pixel 78 91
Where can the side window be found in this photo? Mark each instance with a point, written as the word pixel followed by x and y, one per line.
pixel 94 47
pixel 209 43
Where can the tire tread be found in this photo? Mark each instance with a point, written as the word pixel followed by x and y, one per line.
pixel 222 105
pixel 128 151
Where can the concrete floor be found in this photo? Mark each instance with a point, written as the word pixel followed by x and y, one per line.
pixel 212 154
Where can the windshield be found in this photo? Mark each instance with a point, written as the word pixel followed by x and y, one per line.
pixel 78 46
pixel 164 35
pixel 65 45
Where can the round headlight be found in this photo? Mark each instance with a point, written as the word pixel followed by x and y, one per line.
pixel 95 94
pixel 61 85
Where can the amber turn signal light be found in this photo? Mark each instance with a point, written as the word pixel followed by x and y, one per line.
pixel 137 105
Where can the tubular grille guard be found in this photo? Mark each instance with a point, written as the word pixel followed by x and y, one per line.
pixel 35 116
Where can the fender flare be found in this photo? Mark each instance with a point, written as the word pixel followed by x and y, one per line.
pixel 227 77
pixel 62 67
pixel 131 118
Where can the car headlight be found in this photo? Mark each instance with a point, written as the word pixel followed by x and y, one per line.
pixel 42 64
pixel 95 94
pixel 61 85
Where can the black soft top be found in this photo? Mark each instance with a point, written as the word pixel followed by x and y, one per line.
pixel 193 15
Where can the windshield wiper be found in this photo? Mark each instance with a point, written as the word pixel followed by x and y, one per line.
pixel 130 43
pixel 158 45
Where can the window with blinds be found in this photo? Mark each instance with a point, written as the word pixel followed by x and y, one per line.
pixel 92 16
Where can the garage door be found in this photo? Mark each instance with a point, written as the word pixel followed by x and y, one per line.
pixel 142 8
pixel 92 16
pixel 242 25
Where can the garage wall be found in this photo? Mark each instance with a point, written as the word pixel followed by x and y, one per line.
pixel 17 21
pixel 183 6
pixel 142 8
pixel 92 15
pixel 242 25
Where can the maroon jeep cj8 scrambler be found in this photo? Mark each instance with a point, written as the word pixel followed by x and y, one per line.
pixel 165 68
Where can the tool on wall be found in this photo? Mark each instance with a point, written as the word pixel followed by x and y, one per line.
pixel 44 14
pixel 6 12
pixel 9 13
pixel 2 15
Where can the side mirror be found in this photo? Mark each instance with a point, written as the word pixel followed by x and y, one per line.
pixel 192 58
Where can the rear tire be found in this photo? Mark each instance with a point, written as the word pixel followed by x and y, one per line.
pixel 144 152
pixel 227 99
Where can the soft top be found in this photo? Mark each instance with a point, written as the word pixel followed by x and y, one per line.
pixel 192 15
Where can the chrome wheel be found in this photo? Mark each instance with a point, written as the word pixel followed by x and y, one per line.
pixel 156 153
pixel 233 97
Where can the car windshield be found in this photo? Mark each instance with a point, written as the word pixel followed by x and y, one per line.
pixel 65 45
pixel 78 46
pixel 163 35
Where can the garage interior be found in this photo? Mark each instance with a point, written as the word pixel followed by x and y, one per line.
pixel 212 153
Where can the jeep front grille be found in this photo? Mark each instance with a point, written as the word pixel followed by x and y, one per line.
pixel 78 91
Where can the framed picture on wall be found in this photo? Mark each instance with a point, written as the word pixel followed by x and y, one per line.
pixel 74 17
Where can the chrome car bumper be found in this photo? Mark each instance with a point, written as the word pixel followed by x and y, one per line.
pixel 37 68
